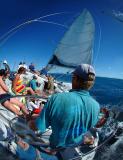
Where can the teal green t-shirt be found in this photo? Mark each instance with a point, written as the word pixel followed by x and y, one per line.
pixel 32 84
pixel 70 115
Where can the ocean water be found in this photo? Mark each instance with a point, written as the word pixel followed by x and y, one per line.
pixel 107 91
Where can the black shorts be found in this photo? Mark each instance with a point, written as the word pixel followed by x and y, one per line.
pixel 4 97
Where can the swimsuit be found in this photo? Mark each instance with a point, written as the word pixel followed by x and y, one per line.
pixel 20 87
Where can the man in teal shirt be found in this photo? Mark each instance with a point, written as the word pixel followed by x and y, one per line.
pixel 71 114
pixel 33 83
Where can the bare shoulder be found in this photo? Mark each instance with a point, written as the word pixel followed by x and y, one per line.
pixel 1 80
pixel 17 76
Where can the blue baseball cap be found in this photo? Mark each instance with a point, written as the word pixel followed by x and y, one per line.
pixel 83 70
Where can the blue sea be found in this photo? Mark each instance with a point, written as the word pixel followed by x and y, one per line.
pixel 107 91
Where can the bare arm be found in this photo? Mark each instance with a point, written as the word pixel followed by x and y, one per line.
pixel 15 82
pixel 3 85
pixel 12 108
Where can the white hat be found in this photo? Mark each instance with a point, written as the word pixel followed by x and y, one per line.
pixel 83 70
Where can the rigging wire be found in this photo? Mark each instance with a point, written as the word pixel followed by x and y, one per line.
pixel 51 22
pixel 48 15
pixel 6 35
pixel 99 42
pixel 15 30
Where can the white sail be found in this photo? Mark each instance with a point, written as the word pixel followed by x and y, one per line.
pixel 76 46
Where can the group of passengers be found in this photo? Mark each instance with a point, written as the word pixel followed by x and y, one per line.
pixel 21 87
pixel 70 114
pixel 32 86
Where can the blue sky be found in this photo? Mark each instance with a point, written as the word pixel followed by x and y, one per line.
pixel 36 42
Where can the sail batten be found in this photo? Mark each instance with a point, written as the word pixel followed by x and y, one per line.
pixel 76 45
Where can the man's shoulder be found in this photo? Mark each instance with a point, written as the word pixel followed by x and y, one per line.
pixel 61 95
pixel 56 99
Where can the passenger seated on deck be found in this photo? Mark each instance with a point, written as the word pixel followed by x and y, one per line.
pixel 32 69
pixel 17 84
pixel 5 99
pixel 33 85
pixel 7 68
pixel 70 114
pixel 50 85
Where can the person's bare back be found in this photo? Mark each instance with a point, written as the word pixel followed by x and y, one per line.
pixel 3 87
